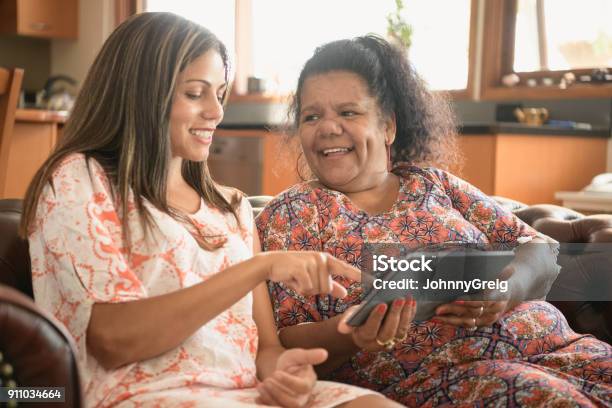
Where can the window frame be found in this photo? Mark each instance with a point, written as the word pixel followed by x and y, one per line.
pixel 499 32
pixel 243 44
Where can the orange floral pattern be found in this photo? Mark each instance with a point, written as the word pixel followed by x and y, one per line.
pixel 79 257
pixel 529 358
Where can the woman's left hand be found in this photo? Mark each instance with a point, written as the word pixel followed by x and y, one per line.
pixel 292 383
pixel 471 314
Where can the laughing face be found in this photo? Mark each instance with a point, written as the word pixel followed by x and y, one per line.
pixel 196 107
pixel 343 133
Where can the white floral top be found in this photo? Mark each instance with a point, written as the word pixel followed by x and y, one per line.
pixel 79 257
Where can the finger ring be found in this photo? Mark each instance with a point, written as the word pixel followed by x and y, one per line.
pixel 389 344
pixel 481 311
pixel 381 343
pixel 402 338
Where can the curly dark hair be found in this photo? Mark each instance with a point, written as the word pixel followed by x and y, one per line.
pixel 426 127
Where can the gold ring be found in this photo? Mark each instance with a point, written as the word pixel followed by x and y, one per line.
pixel 381 343
pixel 474 326
pixel 389 344
pixel 401 339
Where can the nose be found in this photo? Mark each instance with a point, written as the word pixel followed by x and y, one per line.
pixel 212 110
pixel 330 127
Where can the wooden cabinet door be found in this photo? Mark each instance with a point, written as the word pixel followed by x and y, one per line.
pixel 531 168
pixel 479 161
pixel 31 145
pixel 48 18
pixel 279 164
pixel 40 18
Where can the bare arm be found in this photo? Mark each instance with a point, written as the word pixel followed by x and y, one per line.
pixel 340 346
pixel 269 347
pixel 535 269
pixel 122 333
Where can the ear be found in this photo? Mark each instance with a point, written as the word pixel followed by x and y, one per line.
pixel 390 127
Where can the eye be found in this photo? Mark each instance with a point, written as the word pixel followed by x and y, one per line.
pixel 192 95
pixel 220 98
pixel 348 113
pixel 310 118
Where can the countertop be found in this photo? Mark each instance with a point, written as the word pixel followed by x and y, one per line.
pixel 518 128
pixel 60 117
pixel 483 129
pixel 40 116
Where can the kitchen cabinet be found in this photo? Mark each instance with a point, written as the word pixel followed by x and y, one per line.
pixel 279 164
pixel 40 18
pixel 265 165
pixel 34 136
pixel 531 167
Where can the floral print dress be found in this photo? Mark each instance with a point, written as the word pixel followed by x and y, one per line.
pixel 530 357
pixel 79 258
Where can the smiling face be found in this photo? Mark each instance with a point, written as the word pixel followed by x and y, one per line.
pixel 196 107
pixel 342 131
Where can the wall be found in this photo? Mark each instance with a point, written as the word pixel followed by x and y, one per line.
pixel 73 58
pixel 31 54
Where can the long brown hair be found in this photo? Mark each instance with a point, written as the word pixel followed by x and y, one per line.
pixel 121 116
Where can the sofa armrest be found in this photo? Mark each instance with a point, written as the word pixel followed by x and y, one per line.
pixel 36 350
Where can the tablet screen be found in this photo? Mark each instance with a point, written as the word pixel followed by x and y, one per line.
pixel 432 279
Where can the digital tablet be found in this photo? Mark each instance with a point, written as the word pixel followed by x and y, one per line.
pixel 448 280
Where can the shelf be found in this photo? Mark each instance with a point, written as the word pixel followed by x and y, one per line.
pixel 586 201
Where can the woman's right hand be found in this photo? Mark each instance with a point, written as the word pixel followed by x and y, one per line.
pixel 383 329
pixel 308 272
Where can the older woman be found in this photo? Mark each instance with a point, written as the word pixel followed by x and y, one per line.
pixel 367 125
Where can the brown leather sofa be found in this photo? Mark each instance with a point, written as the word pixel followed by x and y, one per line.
pixel 35 350
pixel 41 353
pixel 568 226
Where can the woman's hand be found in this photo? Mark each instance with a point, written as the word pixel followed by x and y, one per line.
pixel 308 273
pixel 471 314
pixel 383 329
pixel 292 383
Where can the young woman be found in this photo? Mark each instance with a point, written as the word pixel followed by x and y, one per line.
pixel 368 127
pixel 146 260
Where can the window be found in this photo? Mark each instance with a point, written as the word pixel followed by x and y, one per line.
pixel 562 35
pixel 217 16
pixel 546 49
pixel 285 34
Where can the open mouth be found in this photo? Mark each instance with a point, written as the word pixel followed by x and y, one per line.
pixel 203 134
pixel 336 151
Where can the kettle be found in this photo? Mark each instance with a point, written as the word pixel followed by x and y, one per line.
pixel 62 96
pixel 531 116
